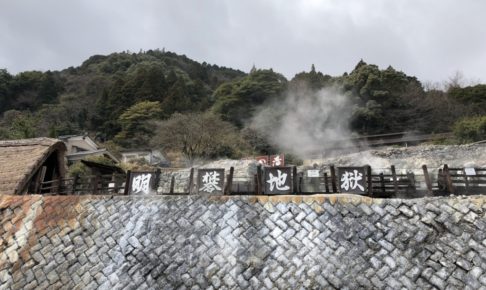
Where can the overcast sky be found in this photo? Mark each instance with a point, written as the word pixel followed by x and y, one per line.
pixel 429 39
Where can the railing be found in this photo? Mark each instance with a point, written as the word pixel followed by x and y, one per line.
pixel 379 182
pixel 93 184
pixel 457 181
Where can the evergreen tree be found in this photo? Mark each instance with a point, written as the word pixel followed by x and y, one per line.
pixel 5 89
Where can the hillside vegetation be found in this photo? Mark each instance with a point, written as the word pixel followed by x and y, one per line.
pixel 129 99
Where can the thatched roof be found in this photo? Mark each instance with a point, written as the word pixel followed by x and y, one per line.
pixel 21 159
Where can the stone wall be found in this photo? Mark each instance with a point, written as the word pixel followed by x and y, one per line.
pixel 286 242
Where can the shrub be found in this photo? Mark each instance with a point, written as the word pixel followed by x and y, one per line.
pixel 470 129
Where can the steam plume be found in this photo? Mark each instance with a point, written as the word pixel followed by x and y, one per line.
pixel 306 122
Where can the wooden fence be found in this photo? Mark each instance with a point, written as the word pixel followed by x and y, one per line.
pixel 386 182
pixel 93 184
pixel 380 182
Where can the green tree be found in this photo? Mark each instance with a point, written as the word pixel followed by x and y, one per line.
pixel 367 117
pixel 49 89
pixel 54 120
pixel 19 125
pixel 5 89
pixel 236 101
pixel 25 87
pixel 470 129
pixel 136 131
pixel 470 95
pixel 392 90
pixel 310 80
pixel 178 99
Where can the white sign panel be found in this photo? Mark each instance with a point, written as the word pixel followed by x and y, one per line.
pixel 469 171
pixel 313 173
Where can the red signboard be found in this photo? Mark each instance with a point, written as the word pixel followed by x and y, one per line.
pixel 273 160
pixel 263 160
pixel 277 160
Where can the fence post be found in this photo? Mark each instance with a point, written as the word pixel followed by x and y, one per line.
pixel 229 181
pixel 60 187
pixel 75 180
pixel 411 188
pixel 441 180
pixel 157 180
pixel 40 179
pixel 172 184
pixel 259 179
pixel 450 188
pixel 295 180
pixel 94 183
pixel 333 179
pixel 466 181
pixel 427 179
pixel 255 180
pixel 301 178
pixel 325 182
pixel 395 182
pixel 370 181
pixel 191 180
pixel 382 183
pixel 127 182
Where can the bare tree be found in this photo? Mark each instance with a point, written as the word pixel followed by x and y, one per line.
pixel 198 135
pixel 455 81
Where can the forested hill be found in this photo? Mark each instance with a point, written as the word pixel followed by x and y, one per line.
pixel 113 97
pixel 92 96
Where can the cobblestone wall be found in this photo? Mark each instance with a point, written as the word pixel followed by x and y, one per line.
pixel 192 242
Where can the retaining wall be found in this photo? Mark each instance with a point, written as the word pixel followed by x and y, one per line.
pixel 286 242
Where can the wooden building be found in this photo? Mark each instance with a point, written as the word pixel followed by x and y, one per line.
pixel 25 163
pixel 80 147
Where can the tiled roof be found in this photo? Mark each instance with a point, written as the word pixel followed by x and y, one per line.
pixel 20 159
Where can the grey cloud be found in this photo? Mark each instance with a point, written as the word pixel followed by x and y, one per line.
pixel 429 39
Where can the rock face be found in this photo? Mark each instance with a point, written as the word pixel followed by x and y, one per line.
pixel 197 242
pixel 411 158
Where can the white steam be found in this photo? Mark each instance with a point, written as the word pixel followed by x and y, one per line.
pixel 306 123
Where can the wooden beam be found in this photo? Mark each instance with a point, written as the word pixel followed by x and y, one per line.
pixel 382 183
pixel 450 188
pixel 427 179
pixel 466 181
pixel 191 181
pixel 75 181
pixel 333 179
pixel 394 176
pixel 369 179
pixel 295 180
pixel 127 182
pixel 172 184
pixel 259 180
pixel 40 178
pixel 326 184
pixel 229 181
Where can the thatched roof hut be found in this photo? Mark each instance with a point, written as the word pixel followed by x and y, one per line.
pixel 27 162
